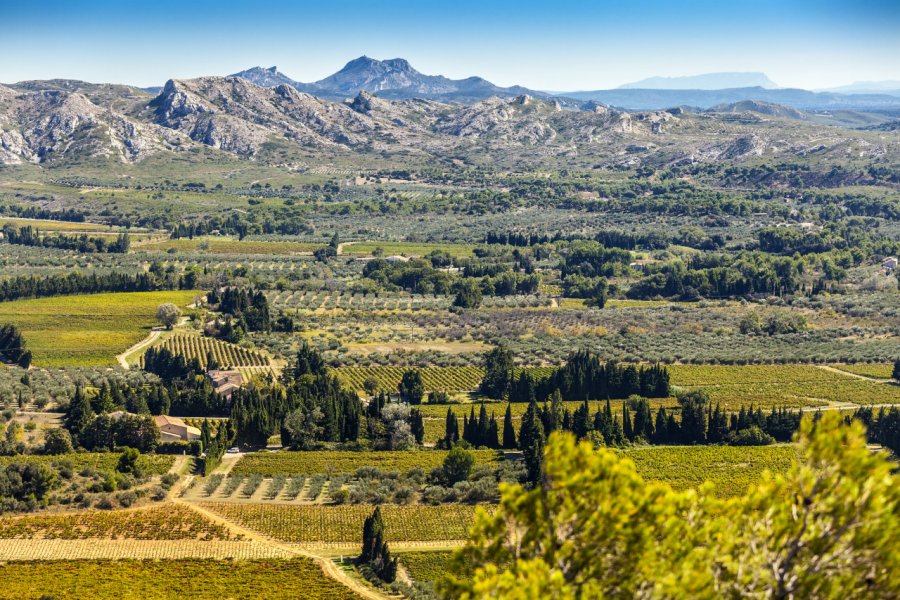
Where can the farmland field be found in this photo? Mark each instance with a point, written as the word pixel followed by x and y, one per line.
pixel 407 248
pixel 219 245
pixel 168 522
pixel 227 355
pixel 336 461
pixel 152 580
pixel 781 385
pixel 101 461
pixel 450 379
pixel 731 469
pixel 874 370
pixel 87 330
pixel 311 524
pixel 61 226
pixel 426 566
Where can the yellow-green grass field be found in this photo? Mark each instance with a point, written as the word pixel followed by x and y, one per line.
pixel 225 245
pixel 87 330
pixel 407 249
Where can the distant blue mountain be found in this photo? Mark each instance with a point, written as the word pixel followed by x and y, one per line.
pixel 705 81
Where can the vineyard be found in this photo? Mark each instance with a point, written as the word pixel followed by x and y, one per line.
pixel 169 522
pixel 223 245
pixel 407 249
pixel 874 370
pixel 109 549
pixel 227 355
pixel 338 461
pixel 730 468
pixel 781 385
pixel 100 461
pixel 156 580
pixel 316 524
pixel 426 566
pixel 86 330
pixel 449 379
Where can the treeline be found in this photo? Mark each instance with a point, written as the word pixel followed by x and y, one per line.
pixel 30 286
pixel 862 236
pixel 584 376
pixel 653 240
pixel 30 236
pixel 33 212
pixel 721 276
pixel 307 406
pixel 12 346
pixel 419 276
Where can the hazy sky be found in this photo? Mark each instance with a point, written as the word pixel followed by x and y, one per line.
pixel 546 44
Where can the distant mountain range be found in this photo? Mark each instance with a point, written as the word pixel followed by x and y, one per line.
pixel 705 81
pixel 395 79
pixel 868 87
pixel 644 99
pixel 64 122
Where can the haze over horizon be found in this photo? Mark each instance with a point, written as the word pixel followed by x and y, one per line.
pixel 573 45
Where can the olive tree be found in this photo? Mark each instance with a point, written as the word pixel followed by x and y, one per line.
pixel 168 314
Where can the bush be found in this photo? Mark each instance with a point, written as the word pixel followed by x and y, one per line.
pixel 751 436
pixel 57 441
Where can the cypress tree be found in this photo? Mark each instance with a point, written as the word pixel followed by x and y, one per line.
pixel 533 450
pixel 80 413
pixel 661 436
pixel 509 433
pixel 627 429
pixel 417 425
pixel 451 429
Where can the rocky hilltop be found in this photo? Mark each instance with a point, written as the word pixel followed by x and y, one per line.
pixel 393 78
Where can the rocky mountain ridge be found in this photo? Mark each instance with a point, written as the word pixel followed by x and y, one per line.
pixel 394 78
pixel 232 116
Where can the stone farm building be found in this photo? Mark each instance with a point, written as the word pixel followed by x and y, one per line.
pixel 173 429
pixel 225 382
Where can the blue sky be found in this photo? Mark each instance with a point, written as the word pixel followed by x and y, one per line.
pixel 549 44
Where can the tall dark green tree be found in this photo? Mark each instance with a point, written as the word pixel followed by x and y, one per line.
pixel 375 551
pixel 509 432
pixel 498 373
pixel 451 429
pixel 411 388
